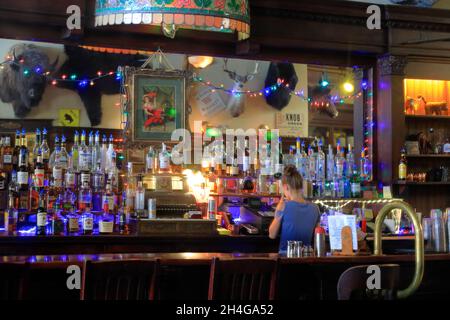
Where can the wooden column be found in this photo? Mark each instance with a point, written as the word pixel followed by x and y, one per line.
pixel 390 115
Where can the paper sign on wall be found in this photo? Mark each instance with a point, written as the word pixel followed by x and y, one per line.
pixel 290 124
pixel 209 102
pixel 335 225
pixel 69 117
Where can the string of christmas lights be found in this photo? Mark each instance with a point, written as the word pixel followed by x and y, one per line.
pixel 280 84
pixel 81 81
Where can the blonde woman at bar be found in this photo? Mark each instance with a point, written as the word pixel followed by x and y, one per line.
pixel 295 218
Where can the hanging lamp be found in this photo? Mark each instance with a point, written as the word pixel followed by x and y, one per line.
pixel 225 16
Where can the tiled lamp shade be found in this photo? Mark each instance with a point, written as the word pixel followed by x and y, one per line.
pixel 210 15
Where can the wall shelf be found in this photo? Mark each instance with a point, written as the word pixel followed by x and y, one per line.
pixel 427 183
pixel 425 117
pixel 428 156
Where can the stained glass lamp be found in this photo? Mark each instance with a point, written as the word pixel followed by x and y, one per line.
pixel 210 15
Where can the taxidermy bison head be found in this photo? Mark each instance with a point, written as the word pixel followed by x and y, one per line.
pixel 23 79
pixel 322 101
pixel 280 73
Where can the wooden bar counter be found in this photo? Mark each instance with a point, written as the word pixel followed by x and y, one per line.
pixel 186 275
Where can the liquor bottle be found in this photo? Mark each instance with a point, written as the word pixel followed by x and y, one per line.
pixel 11 217
pixel 54 153
pixel 124 214
pixel 75 152
pixel 57 168
pixel 106 221
pixel 39 170
pixel 340 162
pixel 3 190
pixel 22 174
pixel 103 152
pixel 113 173
pixel 150 160
pixel 234 169
pixel 58 222
pixel 164 160
pixel 45 150
pixel 16 152
pixel 402 166
pixel 7 155
pixel 289 158
pixel 355 183
pixel 41 216
pixel 84 163
pixel 109 196
pixel 36 147
pixel 139 200
pixel 69 198
pixel 63 155
pixel 330 163
pixel 312 164
pixel 91 150
pixel 13 188
pixel 98 185
pixel 73 222
pixel 321 174
pixel 96 152
pixel 349 162
pixel 110 153
pixel 298 156
pixel 87 222
pixel 363 166
pixel 85 197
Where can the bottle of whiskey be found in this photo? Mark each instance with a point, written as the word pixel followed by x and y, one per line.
pixel 45 150
pixel 87 222
pixel 11 217
pixel 22 174
pixel 73 222
pixel 109 196
pixel 403 165
pixel 124 214
pixel 58 223
pixel 16 152
pixel 106 221
pixel 85 197
pixel 355 183
pixel 41 216
pixel 39 170
pixel 7 155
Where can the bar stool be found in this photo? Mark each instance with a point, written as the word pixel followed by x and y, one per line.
pixel 352 284
pixel 14 281
pixel 242 279
pixel 119 280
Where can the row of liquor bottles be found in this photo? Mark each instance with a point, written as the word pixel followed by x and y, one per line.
pixel 335 174
pixel 85 155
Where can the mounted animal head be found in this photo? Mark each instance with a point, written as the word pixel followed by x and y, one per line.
pixel 284 73
pixel 322 101
pixel 236 102
pixel 24 78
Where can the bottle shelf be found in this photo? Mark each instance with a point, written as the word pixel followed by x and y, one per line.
pixel 426 117
pixel 427 183
pixel 428 156
pixel 246 195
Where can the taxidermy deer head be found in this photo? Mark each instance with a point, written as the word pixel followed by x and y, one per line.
pixel 236 102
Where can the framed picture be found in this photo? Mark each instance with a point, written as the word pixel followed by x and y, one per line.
pixel 157 105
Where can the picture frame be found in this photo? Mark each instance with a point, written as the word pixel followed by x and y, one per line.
pixel 157 105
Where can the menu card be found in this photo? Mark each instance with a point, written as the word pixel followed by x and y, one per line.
pixel 335 225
